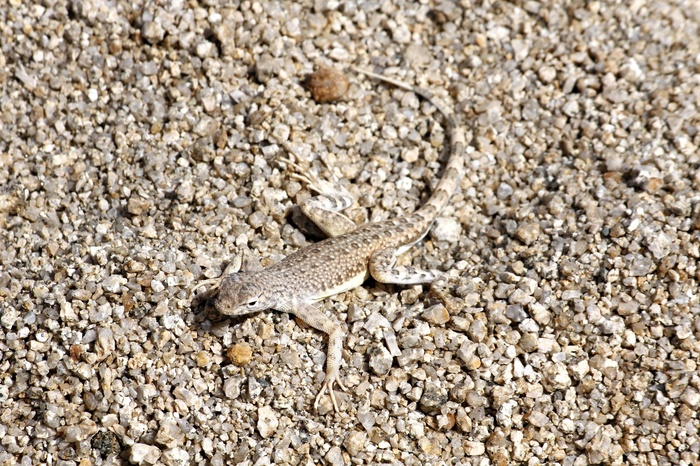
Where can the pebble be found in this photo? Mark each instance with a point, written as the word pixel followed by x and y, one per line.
pixel 9 318
pixel 106 443
pixel 432 398
pixel 537 419
pixel 446 229
pixel 477 331
pixel 603 448
pixel 516 313
pixel 436 315
pixel 354 442
pixel 141 453
pixel 267 421
pixel 152 31
pixel 240 354
pixel 327 85
pixel 691 397
pixel 540 314
pixel 145 392
pixel 335 456
pixel 528 233
pixel 380 360
pixel 232 387
pixel 659 244
pixel 266 67
pixel 639 265
pixel 529 326
pixel 529 342
pixel 113 283
pixel 474 448
pixel 555 377
pixel 571 108
pixel 547 74
pixel 105 344
pixel 169 434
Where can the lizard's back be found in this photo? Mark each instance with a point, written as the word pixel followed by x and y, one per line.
pixel 340 263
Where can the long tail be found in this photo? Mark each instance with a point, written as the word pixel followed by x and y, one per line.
pixel 455 147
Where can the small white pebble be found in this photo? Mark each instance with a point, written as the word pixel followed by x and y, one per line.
pixel 267 421
pixel 141 453
pixel 113 283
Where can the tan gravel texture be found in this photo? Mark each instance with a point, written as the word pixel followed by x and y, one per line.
pixel 139 146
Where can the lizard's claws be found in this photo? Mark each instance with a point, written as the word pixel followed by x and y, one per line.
pixel 328 387
pixel 233 267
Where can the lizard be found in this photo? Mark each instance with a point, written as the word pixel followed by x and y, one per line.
pixel 347 257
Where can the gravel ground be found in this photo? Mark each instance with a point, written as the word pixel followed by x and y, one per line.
pixel 139 151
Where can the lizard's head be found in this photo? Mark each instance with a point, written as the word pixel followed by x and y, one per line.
pixel 240 294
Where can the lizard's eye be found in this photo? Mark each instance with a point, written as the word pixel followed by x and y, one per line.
pixel 252 303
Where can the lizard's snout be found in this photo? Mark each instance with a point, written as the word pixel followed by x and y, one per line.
pixel 225 300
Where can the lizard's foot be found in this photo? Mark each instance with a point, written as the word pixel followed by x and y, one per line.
pixel 289 162
pixel 308 176
pixel 328 383
pixel 233 267
pixel 321 186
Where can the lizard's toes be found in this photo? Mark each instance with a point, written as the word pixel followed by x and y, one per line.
pixel 328 387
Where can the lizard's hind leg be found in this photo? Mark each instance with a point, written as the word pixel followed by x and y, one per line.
pixel 325 208
pixel 382 266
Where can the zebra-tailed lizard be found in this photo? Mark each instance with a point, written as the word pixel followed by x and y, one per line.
pixel 346 258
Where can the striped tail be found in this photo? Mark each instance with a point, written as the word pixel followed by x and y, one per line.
pixel 455 147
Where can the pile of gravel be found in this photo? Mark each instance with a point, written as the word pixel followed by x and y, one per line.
pixel 139 149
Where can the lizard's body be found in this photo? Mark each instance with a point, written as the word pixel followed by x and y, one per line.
pixel 347 258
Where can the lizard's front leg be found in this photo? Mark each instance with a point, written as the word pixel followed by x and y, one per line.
pixel 242 261
pixel 233 267
pixel 317 319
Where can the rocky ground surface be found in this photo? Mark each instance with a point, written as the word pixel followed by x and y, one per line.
pixel 140 147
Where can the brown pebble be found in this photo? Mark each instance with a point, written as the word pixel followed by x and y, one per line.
pixel 202 359
pixel 75 352
pixel 137 206
pixel 145 279
pixel 327 85
pixel 240 354
pixel 653 185
pixel 128 302
pixel 437 315
pixel 528 233
pixel 448 422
